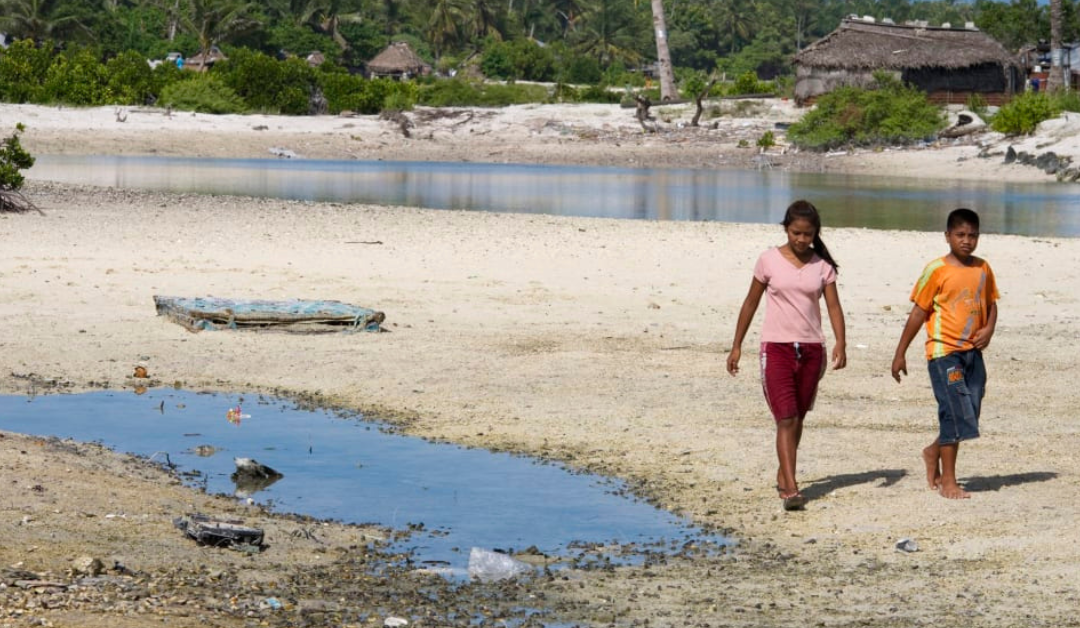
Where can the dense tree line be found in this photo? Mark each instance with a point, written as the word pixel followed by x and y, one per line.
pixel 549 40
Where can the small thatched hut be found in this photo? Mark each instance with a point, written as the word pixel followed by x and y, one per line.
pixel 949 64
pixel 399 61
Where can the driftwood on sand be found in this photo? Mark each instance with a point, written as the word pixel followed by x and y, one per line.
pixel 13 201
pixel 643 115
pixel 700 96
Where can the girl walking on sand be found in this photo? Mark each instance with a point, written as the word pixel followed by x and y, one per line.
pixel 794 276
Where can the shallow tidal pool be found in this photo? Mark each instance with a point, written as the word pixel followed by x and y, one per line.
pixel 348 468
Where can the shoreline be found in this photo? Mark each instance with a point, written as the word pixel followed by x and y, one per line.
pixel 596 135
pixel 592 341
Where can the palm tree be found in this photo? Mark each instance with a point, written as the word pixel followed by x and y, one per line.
pixel 394 15
pixel 608 33
pixel 737 16
pixel 569 13
pixel 170 9
pixel 663 55
pixel 442 26
pixel 215 21
pixel 296 12
pixel 1055 80
pixel 329 15
pixel 805 14
pixel 484 19
pixel 36 19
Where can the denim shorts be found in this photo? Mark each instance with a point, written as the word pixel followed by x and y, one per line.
pixel 959 382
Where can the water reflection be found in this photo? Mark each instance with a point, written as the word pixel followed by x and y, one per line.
pixel 347 469
pixel 644 194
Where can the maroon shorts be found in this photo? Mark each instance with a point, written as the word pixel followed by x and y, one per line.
pixel 790 372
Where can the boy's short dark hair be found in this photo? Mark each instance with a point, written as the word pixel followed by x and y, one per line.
pixel 961 216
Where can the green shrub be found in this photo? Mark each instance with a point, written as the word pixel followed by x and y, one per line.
pixel 565 93
pixel 1023 113
pixel 520 59
pixel 372 95
pixel 767 140
pixel 976 103
pixel 784 86
pixel 402 97
pixel 888 113
pixel 22 71
pixel 77 78
pixel 748 83
pixel 497 62
pixel 459 92
pixel 300 40
pixel 600 94
pixel 1067 100
pixel 351 92
pixel 617 74
pixel 269 85
pixel 130 79
pixel 13 158
pixel 203 93
pixel 338 89
pixel 692 83
pixel 166 74
pixel 581 70
pixel 532 61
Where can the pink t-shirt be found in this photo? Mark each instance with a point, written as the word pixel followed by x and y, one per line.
pixel 792 297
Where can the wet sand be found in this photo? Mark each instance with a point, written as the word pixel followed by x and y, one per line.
pixel 595 342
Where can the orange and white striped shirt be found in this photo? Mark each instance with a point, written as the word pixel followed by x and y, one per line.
pixel 957 299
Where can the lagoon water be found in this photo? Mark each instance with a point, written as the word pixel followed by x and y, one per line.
pixel 345 468
pixel 1037 209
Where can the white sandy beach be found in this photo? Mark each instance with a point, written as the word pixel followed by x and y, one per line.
pixel 596 342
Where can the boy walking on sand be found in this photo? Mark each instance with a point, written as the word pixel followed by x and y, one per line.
pixel 956 299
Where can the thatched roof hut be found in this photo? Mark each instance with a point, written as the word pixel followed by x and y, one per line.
pixel 950 64
pixel 398 60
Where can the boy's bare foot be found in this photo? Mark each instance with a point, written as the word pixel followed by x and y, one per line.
pixel 953 491
pixel 933 469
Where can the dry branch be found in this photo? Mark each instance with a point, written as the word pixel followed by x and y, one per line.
pixel 14 202
pixel 399 118
pixel 642 113
pixel 701 96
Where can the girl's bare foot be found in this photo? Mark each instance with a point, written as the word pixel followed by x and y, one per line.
pixel 781 488
pixel 933 469
pixel 953 491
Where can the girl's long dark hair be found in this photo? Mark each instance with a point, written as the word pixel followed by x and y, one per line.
pixel 806 211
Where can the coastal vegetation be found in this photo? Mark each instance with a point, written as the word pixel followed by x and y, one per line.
pixel 13 160
pixel 888 113
pixel 1023 113
pixel 96 52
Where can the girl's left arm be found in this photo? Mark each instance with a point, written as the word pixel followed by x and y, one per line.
pixel 836 317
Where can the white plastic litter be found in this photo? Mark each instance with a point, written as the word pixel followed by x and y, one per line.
pixel 489 566
pixel 907 545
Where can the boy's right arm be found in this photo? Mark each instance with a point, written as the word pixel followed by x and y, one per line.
pixel 746 314
pixel 915 321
